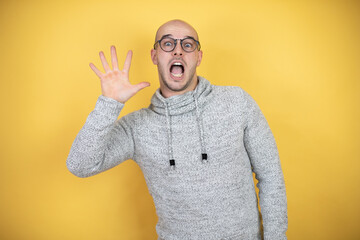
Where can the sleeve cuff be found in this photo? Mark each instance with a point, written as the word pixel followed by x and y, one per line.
pixel 108 106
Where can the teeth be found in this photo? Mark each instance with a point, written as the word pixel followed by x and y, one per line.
pixel 177 75
pixel 177 64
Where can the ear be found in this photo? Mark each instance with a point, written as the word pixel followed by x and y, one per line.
pixel 199 58
pixel 154 56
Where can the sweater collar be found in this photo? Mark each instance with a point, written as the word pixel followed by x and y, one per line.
pixel 183 103
pixel 180 104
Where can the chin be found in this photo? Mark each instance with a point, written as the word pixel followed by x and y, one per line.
pixel 176 85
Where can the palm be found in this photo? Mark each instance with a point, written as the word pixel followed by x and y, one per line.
pixel 115 83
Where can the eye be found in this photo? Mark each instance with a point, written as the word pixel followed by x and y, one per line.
pixel 188 45
pixel 168 43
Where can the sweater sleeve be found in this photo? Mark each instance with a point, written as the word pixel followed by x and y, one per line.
pixel 264 157
pixel 103 142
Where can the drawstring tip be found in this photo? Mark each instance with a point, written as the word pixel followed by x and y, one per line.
pixel 204 157
pixel 172 163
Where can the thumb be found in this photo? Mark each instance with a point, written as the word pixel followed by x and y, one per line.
pixel 141 85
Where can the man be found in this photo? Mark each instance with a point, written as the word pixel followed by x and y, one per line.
pixel 197 145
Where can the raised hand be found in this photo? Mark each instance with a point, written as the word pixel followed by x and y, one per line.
pixel 115 83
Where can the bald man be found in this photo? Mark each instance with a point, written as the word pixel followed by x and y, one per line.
pixel 197 145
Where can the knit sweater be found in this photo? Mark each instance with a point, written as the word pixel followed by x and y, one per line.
pixel 197 152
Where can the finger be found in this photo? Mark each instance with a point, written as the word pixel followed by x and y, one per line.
pixel 97 71
pixel 104 62
pixel 114 58
pixel 128 61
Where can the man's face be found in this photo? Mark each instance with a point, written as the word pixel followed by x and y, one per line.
pixel 177 69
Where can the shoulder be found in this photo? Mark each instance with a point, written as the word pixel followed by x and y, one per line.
pixel 139 118
pixel 135 116
pixel 235 94
pixel 235 97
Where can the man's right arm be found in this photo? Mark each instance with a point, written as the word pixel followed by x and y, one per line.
pixel 103 142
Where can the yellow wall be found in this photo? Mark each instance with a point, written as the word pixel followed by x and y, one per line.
pixel 298 59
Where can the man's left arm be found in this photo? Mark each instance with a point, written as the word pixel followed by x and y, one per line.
pixel 264 157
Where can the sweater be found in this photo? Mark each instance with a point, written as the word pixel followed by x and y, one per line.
pixel 197 152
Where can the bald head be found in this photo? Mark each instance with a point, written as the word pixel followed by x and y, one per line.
pixel 173 25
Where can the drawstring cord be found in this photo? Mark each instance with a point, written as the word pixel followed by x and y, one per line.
pixel 171 160
pixel 201 128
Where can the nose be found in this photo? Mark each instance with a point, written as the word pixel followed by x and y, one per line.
pixel 178 51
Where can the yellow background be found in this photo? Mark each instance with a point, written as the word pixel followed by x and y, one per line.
pixel 298 59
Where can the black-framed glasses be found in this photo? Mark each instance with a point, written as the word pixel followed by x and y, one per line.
pixel 168 44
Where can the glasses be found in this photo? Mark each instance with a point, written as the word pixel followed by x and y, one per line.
pixel 168 44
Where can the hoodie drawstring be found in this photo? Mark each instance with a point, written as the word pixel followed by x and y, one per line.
pixel 171 155
pixel 201 128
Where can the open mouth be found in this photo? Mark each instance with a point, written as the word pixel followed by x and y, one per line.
pixel 177 70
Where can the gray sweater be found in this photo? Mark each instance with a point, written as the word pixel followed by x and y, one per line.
pixel 197 152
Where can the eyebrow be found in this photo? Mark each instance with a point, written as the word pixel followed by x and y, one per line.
pixel 170 35
pixel 166 35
